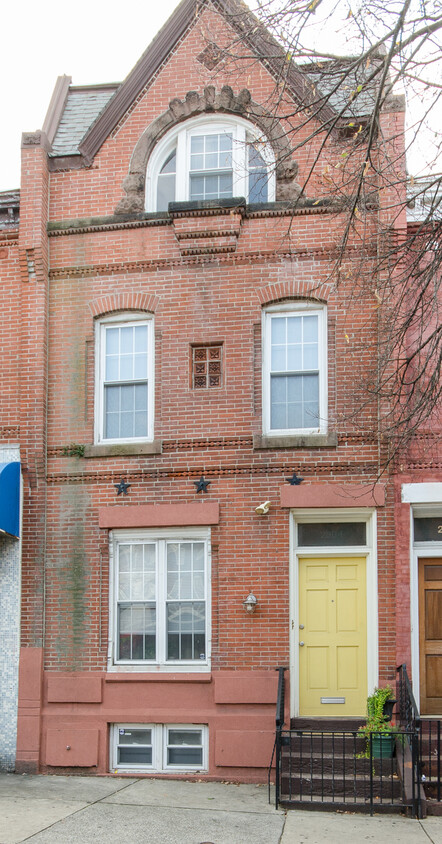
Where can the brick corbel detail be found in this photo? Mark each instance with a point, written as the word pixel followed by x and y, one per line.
pixel 123 302
pixel 204 234
pixel 293 289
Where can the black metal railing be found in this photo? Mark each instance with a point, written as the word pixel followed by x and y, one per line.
pixel 279 723
pixel 342 769
pixel 427 737
pixel 408 712
pixel 429 757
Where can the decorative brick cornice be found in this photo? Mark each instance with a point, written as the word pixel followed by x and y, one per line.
pixel 123 302
pixel 8 432
pixel 133 267
pixel 106 224
pixel 363 470
pixel 92 225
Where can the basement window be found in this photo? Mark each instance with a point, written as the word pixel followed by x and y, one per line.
pixel 159 748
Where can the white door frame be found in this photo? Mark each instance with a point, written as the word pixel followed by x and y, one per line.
pixel 369 551
pixel 419 551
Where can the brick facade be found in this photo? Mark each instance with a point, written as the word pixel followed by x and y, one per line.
pixel 204 275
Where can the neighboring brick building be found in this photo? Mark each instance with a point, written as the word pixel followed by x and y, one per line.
pixel 180 365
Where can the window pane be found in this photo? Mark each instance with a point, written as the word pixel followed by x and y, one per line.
pixel 279 330
pixel 184 756
pixel 137 558
pixel 140 397
pixel 192 737
pixel 225 141
pixel 166 188
pixel 255 158
pixel 137 629
pixel 126 340
pixel 428 529
pixel 332 533
pixel 310 325
pixel 134 736
pixel 140 338
pixel 278 362
pixel 124 557
pixel 294 329
pixel 186 630
pixel 212 143
pixel 135 755
pixel 197 162
pixel 112 341
pixel 124 586
pixel 294 357
pixel 310 356
pixel 258 186
pixel 126 367
pixel 112 368
pixel 169 165
pixel 197 143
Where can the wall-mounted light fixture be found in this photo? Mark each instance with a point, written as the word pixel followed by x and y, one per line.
pixel 263 509
pixel 250 603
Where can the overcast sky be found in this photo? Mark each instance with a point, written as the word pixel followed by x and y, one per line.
pixel 92 41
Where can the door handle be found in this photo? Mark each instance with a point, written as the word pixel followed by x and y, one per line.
pixel 301 644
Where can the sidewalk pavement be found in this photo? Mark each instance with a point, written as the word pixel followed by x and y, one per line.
pixel 104 810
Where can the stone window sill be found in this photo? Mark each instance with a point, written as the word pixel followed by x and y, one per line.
pixel 298 441
pixel 123 449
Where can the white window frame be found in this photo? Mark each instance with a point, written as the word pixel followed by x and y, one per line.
pixel 120 320
pixel 161 536
pixel 179 137
pixel 294 309
pixel 159 748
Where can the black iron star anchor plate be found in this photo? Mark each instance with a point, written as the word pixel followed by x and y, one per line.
pixel 122 487
pixel 202 484
pixel 294 480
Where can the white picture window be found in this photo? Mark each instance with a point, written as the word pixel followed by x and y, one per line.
pixel 160 599
pixel 124 380
pixel 210 158
pixel 294 373
pixel 159 747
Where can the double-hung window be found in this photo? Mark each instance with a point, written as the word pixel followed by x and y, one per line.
pixel 160 598
pixel 294 375
pixel 124 397
pixel 208 159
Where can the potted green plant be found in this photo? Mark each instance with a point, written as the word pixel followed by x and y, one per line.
pixel 379 731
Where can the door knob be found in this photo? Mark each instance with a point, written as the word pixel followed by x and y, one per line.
pixel 301 644
pixel 301 627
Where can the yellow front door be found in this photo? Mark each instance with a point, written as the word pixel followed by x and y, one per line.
pixel 332 636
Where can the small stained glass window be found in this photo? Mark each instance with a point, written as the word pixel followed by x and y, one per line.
pixel 206 366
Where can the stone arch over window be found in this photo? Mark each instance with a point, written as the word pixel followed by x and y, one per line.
pixel 210 103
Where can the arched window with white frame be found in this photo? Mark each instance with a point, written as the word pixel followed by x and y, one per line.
pixel 210 158
pixel 295 368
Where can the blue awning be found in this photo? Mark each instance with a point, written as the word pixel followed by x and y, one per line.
pixel 10 498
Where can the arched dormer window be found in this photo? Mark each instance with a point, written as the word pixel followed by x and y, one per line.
pixel 210 158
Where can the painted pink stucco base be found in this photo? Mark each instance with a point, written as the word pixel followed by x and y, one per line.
pixel 70 720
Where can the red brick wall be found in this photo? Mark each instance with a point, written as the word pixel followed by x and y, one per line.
pixel 200 300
